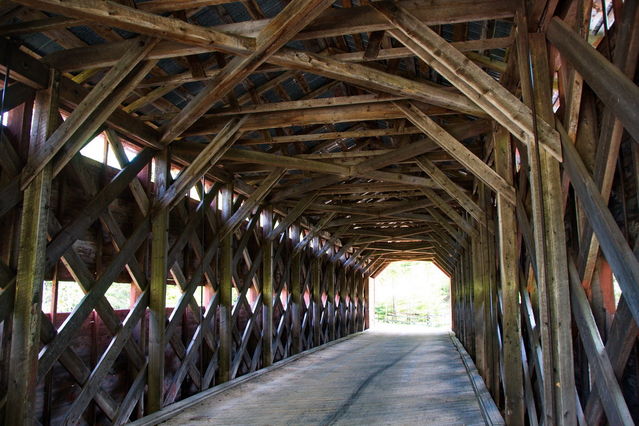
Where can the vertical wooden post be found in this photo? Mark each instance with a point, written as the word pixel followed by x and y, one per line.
pixel 479 300
pixel 352 290
pixel 343 313
pixel 296 274
pixel 537 218
pixel 367 302
pixel 157 300
pixel 555 245
pixel 267 288
pixel 226 285
pixel 509 275
pixel 25 337
pixel 317 295
pixel 330 305
pixel 360 300
pixel 468 290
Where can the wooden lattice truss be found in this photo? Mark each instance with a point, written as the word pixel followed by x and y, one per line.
pixel 268 167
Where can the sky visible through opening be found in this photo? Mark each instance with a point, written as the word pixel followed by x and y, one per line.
pixel 413 293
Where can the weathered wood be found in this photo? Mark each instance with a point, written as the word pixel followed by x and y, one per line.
pixel 251 203
pixel 612 86
pixel 470 79
pixel 316 304
pixel 225 287
pixel 332 22
pixel 613 244
pixel 609 390
pixel 277 33
pixel 203 162
pixel 23 362
pixel 292 215
pixel 452 189
pixel 607 152
pixel 554 243
pixel 458 151
pixel 329 273
pixel 295 290
pixel 157 298
pixel 267 288
pixel 98 95
pixel 509 276
pixel 121 16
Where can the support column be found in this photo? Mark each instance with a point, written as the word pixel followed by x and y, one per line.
pixel 352 291
pixel 296 274
pixel 479 299
pixel 157 300
pixel 360 300
pixel 267 288
pixel 555 245
pixel 25 337
pixel 341 275
pixel 330 305
pixel 367 301
pixel 509 276
pixel 317 295
pixel 226 285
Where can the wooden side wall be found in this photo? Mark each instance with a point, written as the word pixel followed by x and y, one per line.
pixel 551 319
pixel 99 365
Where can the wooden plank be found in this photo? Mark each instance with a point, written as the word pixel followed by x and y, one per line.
pixel 307 116
pixel 316 280
pixel 329 272
pixel 225 287
pixel 278 32
pixel 469 78
pixel 458 151
pixel 74 414
pixel 138 21
pixel 293 215
pixel 135 20
pixel 554 243
pixel 304 104
pixel 509 277
pixel 93 100
pixel 251 203
pixel 72 232
pixel 267 287
pixel 451 188
pixel 613 244
pixel 607 152
pixel 206 159
pixel 295 290
pixel 449 211
pixel 157 297
pixel 25 332
pixel 611 85
pixel 609 390
pixel 621 340
pixel 332 22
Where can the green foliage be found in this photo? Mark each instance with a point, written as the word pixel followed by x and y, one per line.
pixel 118 295
pixel 413 293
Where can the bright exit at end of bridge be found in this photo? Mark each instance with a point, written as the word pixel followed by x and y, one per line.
pixel 412 293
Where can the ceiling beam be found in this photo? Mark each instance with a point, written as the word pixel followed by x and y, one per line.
pixel 469 78
pixel 278 32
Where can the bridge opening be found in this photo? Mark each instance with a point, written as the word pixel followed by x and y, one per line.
pixel 413 293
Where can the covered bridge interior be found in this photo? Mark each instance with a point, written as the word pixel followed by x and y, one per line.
pixel 261 160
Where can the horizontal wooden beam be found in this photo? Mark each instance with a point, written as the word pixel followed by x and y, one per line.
pixel 309 116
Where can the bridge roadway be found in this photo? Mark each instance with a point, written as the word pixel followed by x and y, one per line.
pixel 400 376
